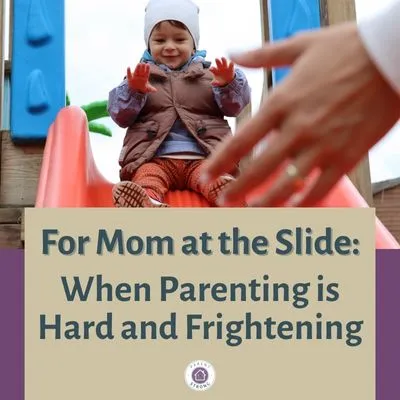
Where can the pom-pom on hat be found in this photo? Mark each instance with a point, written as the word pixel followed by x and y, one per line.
pixel 184 11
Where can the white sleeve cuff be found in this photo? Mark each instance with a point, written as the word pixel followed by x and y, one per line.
pixel 380 34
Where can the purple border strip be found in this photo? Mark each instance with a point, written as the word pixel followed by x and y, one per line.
pixel 388 324
pixel 12 325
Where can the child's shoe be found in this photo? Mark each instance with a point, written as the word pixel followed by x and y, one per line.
pixel 217 187
pixel 129 194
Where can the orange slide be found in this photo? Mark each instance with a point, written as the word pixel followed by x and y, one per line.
pixel 69 176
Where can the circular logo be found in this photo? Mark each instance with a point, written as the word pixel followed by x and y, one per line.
pixel 199 375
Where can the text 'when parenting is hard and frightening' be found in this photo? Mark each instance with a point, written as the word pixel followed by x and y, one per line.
pixel 207 302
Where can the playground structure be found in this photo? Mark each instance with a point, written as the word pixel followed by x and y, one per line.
pixel 45 143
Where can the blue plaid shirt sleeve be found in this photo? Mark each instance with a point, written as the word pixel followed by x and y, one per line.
pixel 124 104
pixel 235 96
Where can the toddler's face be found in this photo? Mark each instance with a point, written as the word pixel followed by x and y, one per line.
pixel 171 45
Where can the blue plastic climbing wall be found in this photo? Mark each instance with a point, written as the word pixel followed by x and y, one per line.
pixel 287 17
pixel 38 67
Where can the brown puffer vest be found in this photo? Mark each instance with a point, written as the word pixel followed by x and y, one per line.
pixel 187 95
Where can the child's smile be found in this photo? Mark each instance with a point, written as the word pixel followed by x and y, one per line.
pixel 171 45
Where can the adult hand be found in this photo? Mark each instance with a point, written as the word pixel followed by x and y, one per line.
pixel 224 72
pixel 327 113
pixel 139 80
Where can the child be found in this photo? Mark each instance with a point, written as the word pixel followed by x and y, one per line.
pixel 173 105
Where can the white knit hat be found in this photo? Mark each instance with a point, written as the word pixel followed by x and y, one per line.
pixel 184 11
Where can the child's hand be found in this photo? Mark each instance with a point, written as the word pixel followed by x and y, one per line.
pixel 139 80
pixel 223 73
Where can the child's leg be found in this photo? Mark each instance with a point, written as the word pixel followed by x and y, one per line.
pixel 210 191
pixel 148 187
pixel 155 177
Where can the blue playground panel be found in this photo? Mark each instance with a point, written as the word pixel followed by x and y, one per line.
pixel 38 67
pixel 287 17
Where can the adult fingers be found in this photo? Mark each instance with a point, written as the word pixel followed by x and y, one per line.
pixel 276 54
pixel 333 169
pixel 291 180
pixel 231 150
pixel 320 188
pixel 259 169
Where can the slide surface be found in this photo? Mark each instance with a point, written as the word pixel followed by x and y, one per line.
pixel 69 176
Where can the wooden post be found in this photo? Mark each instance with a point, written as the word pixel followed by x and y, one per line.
pixel 334 12
pixel 2 56
pixel 19 172
pixel 10 228
pixel 267 83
